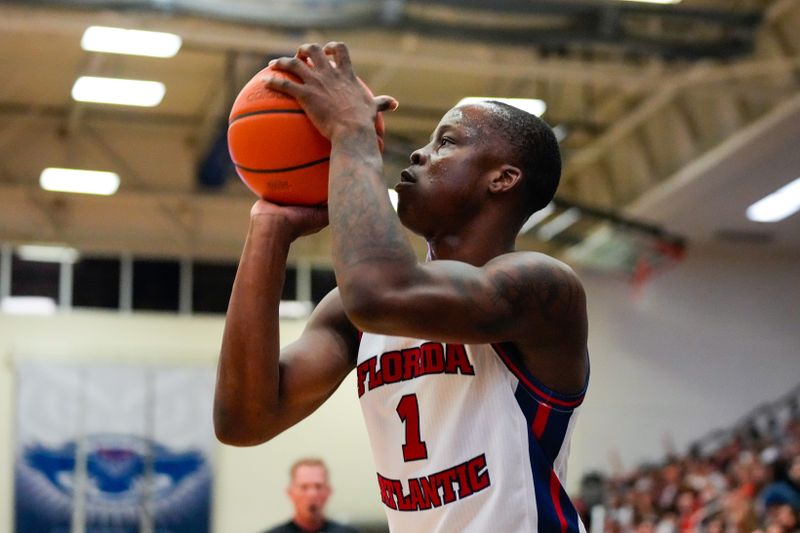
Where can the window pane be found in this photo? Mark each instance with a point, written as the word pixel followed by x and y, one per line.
pixel 290 285
pixel 95 283
pixel 211 286
pixel 156 285
pixel 322 282
pixel 34 278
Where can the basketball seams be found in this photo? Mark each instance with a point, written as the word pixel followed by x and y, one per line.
pixel 266 112
pixel 284 169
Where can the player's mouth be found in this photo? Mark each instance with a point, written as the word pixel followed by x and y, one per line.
pixel 406 180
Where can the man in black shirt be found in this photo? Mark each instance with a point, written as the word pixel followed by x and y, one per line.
pixel 309 491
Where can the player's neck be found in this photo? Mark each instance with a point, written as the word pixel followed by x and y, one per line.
pixel 475 249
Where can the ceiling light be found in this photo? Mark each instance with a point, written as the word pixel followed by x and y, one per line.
pixel 47 254
pixel 132 42
pixel 531 105
pixel 28 305
pixel 79 181
pixel 775 207
pixel 118 91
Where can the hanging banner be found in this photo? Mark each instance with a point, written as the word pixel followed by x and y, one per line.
pixel 122 448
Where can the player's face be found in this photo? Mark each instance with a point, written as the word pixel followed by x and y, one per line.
pixel 446 182
pixel 309 491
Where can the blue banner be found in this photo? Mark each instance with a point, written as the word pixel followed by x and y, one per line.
pixel 113 449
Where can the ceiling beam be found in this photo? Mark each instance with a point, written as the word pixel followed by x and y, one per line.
pixel 219 37
pixel 698 76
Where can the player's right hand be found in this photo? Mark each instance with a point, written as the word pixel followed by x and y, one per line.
pixel 294 219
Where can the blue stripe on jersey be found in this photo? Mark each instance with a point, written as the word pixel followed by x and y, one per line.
pixel 554 432
pixel 570 513
pixel 511 357
pixel 542 464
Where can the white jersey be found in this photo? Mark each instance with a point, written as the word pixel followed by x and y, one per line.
pixel 464 438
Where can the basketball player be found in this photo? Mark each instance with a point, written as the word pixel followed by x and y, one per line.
pixel 471 366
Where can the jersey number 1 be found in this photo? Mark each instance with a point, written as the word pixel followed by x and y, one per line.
pixel 408 409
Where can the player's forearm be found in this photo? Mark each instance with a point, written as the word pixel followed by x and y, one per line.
pixel 371 252
pixel 247 377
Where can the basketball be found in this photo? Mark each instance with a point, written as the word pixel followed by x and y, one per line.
pixel 276 150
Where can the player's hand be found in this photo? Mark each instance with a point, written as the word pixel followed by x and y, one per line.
pixel 295 220
pixel 331 95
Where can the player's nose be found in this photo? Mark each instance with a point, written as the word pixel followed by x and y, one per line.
pixel 417 157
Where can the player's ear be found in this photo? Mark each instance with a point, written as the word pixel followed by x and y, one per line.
pixel 505 178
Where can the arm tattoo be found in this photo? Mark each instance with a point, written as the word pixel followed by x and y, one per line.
pixel 546 291
pixel 364 225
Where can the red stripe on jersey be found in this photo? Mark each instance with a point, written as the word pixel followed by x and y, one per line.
pixel 555 493
pixel 540 420
pixel 521 376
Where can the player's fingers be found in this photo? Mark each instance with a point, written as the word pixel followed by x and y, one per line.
pixel 292 65
pixel 386 103
pixel 314 52
pixel 284 85
pixel 340 54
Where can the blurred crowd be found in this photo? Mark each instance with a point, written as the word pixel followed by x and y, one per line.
pixel 746 481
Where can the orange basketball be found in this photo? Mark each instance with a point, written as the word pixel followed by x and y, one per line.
pixel 276 149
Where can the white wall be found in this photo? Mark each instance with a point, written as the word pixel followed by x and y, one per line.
pixel 249 485
pixel 702 345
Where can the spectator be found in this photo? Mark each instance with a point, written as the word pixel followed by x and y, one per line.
pixel 309 491
pixel 785 487
pixel 748 483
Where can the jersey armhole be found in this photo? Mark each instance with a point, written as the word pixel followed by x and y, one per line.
pixel 511 357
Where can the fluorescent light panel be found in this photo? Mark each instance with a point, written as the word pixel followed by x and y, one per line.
pixel 79 181
pixel 47 254
pixel 131 42
pixel 531 105
pixel 28 305
pixel 118 91
pixel 774 207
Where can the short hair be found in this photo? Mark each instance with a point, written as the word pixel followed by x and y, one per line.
pixel 533 147
pixel 307 461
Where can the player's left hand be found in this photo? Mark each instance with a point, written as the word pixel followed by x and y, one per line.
pixel 333 98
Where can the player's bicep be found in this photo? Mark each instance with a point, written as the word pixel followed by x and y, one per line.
pixel 313 366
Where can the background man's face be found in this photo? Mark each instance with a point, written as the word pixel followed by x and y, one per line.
pixel 309 491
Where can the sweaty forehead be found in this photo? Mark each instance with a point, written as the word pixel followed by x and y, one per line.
pixel 470 118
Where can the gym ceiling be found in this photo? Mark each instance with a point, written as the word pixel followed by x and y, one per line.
pixel 673 118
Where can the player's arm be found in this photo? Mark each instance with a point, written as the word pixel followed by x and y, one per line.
pixel 262 390
pixel 523 296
